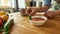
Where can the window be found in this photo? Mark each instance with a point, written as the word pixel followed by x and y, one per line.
pixel 0 2
pixel 10 3
pixel 21 4
pixel 5 2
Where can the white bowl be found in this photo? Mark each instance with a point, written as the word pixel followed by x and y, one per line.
pixel 38 23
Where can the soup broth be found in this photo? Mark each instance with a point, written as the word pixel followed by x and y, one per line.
pixel 38 19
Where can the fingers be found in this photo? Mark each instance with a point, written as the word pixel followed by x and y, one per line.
pixel 28 11
pixel 50 14
pixel 33 11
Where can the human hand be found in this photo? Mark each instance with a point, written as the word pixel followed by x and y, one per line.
pixel 32 10
pixel 28 10
pixel 51 14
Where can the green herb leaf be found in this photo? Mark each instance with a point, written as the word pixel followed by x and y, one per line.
pixel 29 17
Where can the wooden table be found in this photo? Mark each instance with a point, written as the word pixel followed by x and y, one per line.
pixel 23 26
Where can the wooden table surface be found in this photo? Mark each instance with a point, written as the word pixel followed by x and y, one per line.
pixel 23 26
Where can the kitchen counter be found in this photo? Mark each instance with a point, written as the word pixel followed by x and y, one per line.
pixel 5 8
pixel 22 26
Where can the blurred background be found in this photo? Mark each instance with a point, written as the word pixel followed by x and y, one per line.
pixel 15 5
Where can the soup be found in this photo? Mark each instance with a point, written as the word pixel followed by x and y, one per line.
pixel 38 19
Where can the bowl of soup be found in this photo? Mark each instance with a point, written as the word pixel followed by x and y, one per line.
pixel 38 20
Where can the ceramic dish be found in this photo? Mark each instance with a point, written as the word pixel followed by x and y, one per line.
pixel 38 22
